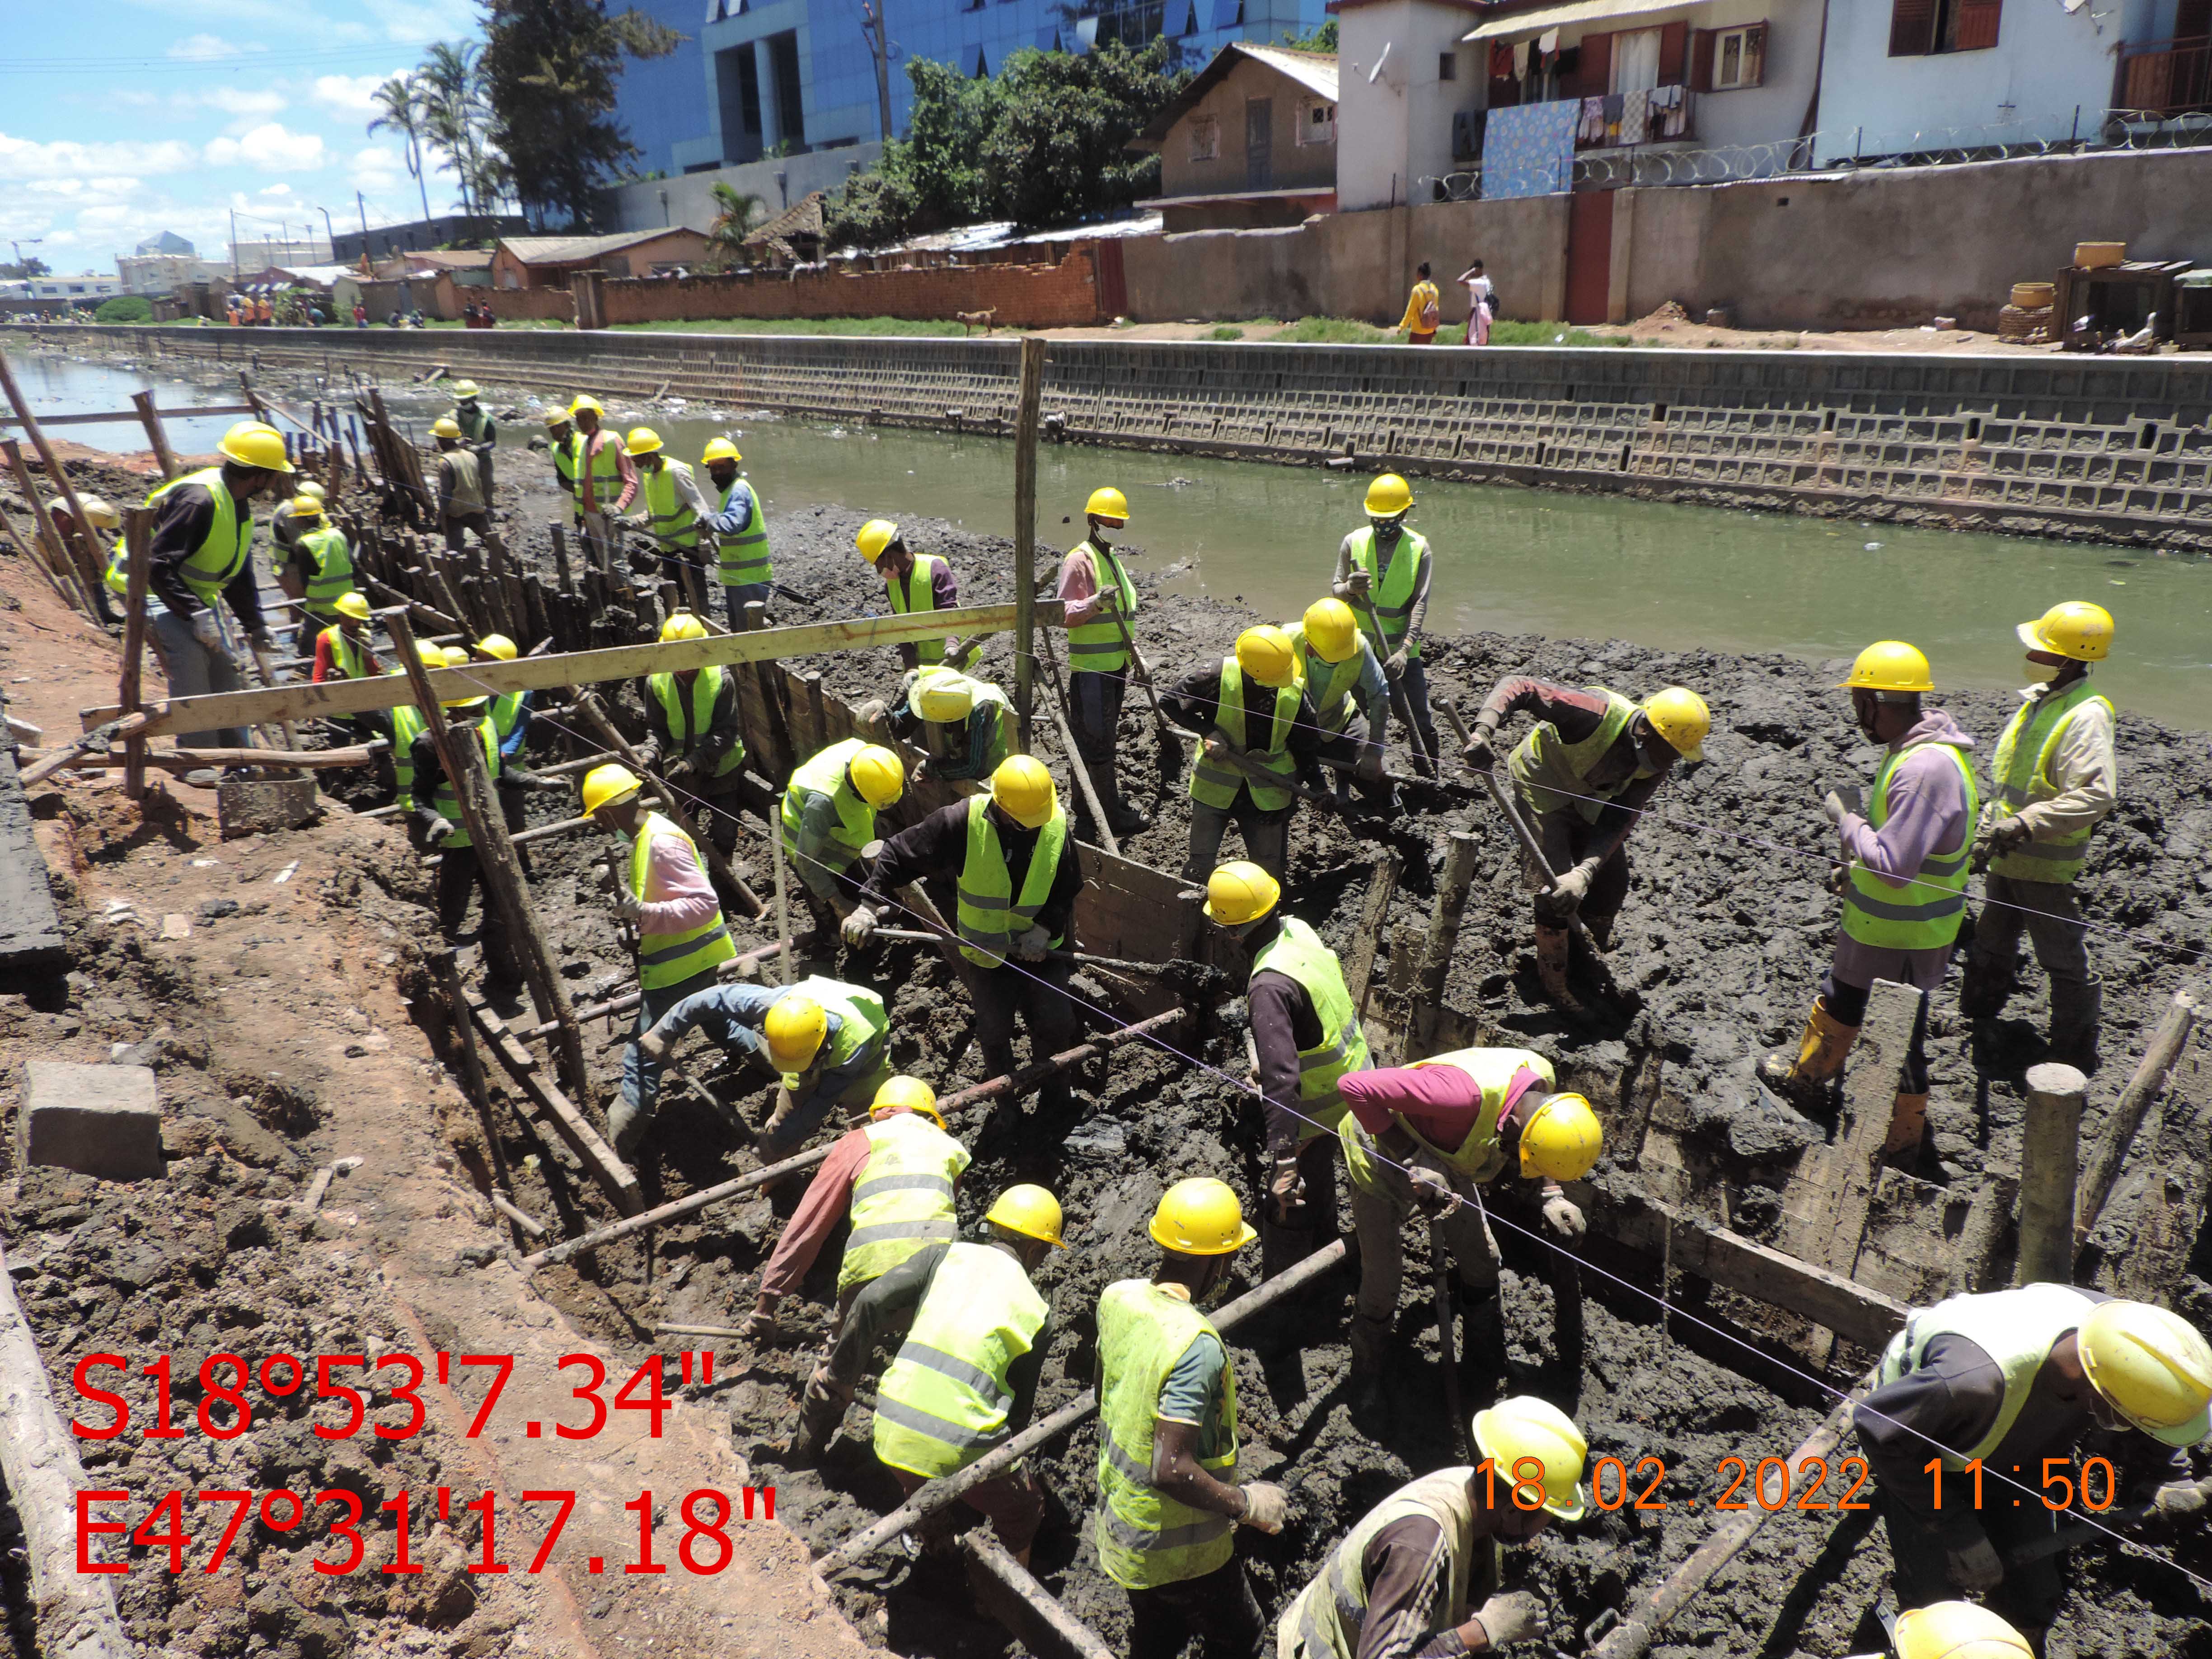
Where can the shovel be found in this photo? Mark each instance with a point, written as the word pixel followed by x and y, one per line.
pixel 1170 751
pixel 1424 762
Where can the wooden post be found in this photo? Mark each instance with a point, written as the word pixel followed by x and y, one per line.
pixel 156 435
pixel 61 479
pixel 769 680
pixel 68 569
pixel 465 769
pixel 1982 1236
pixel 2049 1160
pixel 2126 1117
pixel 1445 917
pixel 1025 447
pixel 1016 1599
pixel 782 900
pixel 138 537
pixel 1076 768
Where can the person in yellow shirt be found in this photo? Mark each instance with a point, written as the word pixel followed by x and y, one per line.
pixel 1423 314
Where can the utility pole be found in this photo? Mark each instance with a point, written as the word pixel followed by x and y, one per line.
pixel 880 46
pixel 234 244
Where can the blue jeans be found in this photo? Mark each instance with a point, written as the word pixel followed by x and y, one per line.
pixel 640 1083
pixel 194 671
pixel 738 597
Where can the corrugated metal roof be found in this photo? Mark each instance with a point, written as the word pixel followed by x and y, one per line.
pixel 574 250
pixel 1314 70
pixel 1540 19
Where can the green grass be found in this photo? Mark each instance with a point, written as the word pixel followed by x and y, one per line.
pixel 1334 330
pixel 1544 334
pixel 1226 332
pixel 1347 331
pixel 863 326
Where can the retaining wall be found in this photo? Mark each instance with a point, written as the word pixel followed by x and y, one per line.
pixel 2105 448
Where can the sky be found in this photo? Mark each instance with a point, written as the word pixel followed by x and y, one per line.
pixel 260 106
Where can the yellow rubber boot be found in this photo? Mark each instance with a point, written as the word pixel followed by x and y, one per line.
pixel 1804 1079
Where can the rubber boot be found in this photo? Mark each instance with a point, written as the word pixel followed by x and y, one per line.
pixel 1551 967
pixel 1599 929
pixel 1482 1357
pixel 626 1127
pixel 1908 1125
pixel 1370 1344
pixel 820 1413
pixel 1986 985
pixel 1803 1080
pixel 1121 817
pixel 2077 1011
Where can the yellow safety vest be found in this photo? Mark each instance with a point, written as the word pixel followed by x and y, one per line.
pixel 944 1402
pixel 1924 914
pixel 743 559
pixel 665 959
pixel 1390 592
pixel 673 520
pixel 1326 1621
pixel 1095 646
pixel 989 914
pixel 903 1197
pixel 1550 774
pixel 1480 1157
pixel 824 775
pixel 1216 782
pixel 917 590
pixel 690 719
pixel 2020 770
pixel 2016 1329
pixel 209 567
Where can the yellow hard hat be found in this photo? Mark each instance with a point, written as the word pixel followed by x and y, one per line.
pixel 682 625
pixel 875 536
pixel 353 603
pixel 1525 1427
pixel 1389 497
pixel 1958 1630
pixel 609 786
pixel 431 656
pixel 1030 1211
pixel 1023 789
pixel 498 646
pixel 1889 665
pixel 2152 1366
pixel 444 427
pixel 558 415
pixel 642 440
pixel 2077 630
pixel 584 400
pixel 310 488
pixel 250 443
pixel 1107 502
pixel 907 1094
pixel 458 657
pixel 465 389
pixel 878 776
pixel 301 507
pixel 1332 630
pixel 1679 716
pixel 1265 652
pixel 719 449
pixel 795 1028
pixel 1239 892
pixel 1562 1140
pixel 1200 1216
pixel 942 696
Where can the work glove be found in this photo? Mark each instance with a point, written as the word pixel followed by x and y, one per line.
pixel 1837 879
pixel 1574 886
pixel 860 927
pixel 921 769
pixel 1515 1616
pixel 1431 1192
pixel 1997 839
pixel 1286 1192
pixel 207 630
pixel 431 828
pixel 628 905
pixel 1370 762
pixel 1358 582
pixel 1976 1569
pixel 647 753
pixel 1843 803
pixel 1394 664
pixel 1267 1506
pixel 653 1045
pixel 760 1325
pixel 2179 1500
pixel 1563 1216
pixel 679 769
pixel 1479 754
pixel 1031 945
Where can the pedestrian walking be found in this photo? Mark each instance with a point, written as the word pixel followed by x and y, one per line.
pixel 1480 303
pixel 1422 311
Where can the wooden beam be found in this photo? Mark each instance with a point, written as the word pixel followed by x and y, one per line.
pixel 2126 1117
pixel 138 539
pixel 80 523
pixel 124 416
pixel 60 556
pixel 157 435
pixel 616 1178
pixel 1031 393
pixel 1016 1599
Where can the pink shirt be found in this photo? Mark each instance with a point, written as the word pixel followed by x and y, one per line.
pixel 1078 587
pixel 678 895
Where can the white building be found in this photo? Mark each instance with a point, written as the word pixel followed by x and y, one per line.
pixel 87 287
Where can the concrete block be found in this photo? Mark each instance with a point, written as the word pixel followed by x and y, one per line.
pixel 260 806
pixel 100 1121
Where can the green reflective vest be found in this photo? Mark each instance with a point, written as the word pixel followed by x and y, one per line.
pixel 1552 774
pixel 2020 770
pixel 1095 646
pixel 1481 1156
pixel 1390 591
pixel 506 709
pixel 860 1018
pixel 1146 1538
pixel 564 460
pixel 445 799
pixel 1924 914
pixel 333 568
pixel 824 775
pixel 602 471
pixel 2016 1329
pixel 352 664
pixel 407 726
pixel 943 1401
pixel 664 959
pixel 1298 952
pixel 917 590
pixel 902 1197
pixel 209 567
pixel 690 719
pixel 673 520
pixel 743 559
pixel 989 914
pixel 1215 782
pixel 1326 1621
pixel 1329 685
pixel 990 718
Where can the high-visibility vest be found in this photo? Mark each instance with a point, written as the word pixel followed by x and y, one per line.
pixel 858 1014
pixel 1550 774
pixel 352 663
pixel 824 775
pixel 604 467
pixel 917 590
pixel 2021 771
pixel 407 726
pixel 1329 685
pixel 1924 914
pixel 743 559
pixel 209 567
pixel 333 568
pixel 1095 646
pixel 673 520
pixel 989 914
pixel 564 460
pixel 1480 1156
pixel 690 719
pixel 1390 592
pixel 989 718
pixel 943 1401
pixel 1298 952
pixel 1144 1537
pixel 445 799
pixel 506 710
pixel 1326 1621
pixel 664 959
pixel 902 1199
pixel 1215 782
pixel 2016 1329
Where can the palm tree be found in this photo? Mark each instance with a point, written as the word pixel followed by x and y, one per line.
pixel 453 113
pixel 737 219
pixel 401 99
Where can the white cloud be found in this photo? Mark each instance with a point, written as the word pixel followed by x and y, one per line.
pixel 248 106
pixel 26 161
pixel 277 190
pixel 415 21
pixel 348 95
pixel 199 48
pixel 269 147
pixel 376 169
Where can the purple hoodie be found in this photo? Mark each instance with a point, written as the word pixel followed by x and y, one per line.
pixel 1926 815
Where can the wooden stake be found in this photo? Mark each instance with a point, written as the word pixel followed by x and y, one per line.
pixel 1023 1606
pixel 614 1178
pixel 1076 768
pixel 88 575
pixel 59 556
pixel 2049 1162
pixel 157 435
pixel 1025 447
pixel 2126 1117
pixel 138 537
pixel 1445 917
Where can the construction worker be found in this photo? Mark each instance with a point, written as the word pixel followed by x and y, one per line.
pixel 285 527
pixel 1350 699
pixel 509 712
pixel 829 815
pixel 101 519
pixel 915 581
pixel 693 730
pixel 828 1042
pixel 320 565
pixel 1100 613
pixel 669 508
pixel 462 504
pixel 479 432
pixel 1903 884
pixel 2054 778
pixel 432 807
pixel 895 1177
pixel 560 444
pixel 1382 572
pixel 2010 1382
pixel 1016 877
pixel 1406 1578
pixel 967 724
pixel 975 1334
pixel 1582 778
pixel 1957 1629
pixel 662 889
pixel 1262 737
pixel 202 532
pixel 1421 1138
pixel 342 650
pixel 606 477
pixel 740 533
pixel 1307 1035
pixel 1169 1503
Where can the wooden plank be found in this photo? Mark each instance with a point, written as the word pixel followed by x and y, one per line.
pixel 137 537
pixel 129 417
pixel 1373 911
pixel 1030 389
pixel 616 1178
pixel 1004 1587
pixel 2171 1189
pixel 30 932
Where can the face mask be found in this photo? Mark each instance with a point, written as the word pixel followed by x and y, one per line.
pixel 2041 673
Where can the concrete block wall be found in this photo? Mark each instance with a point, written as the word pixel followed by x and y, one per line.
pixel 1061 295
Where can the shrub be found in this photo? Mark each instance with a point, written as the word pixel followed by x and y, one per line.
pixel 124 309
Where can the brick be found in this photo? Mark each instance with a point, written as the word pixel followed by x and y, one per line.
pixel 101 1121
pixel 263 805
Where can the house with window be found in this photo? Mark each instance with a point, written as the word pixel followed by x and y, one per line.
pixel 549 261
pixel 1251 141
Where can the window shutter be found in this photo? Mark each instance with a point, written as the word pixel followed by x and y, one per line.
pixel 1912 28
pixel 1701 60
pixel 1674 43
pixel 1978 24
pixel 1754 55
pixel 1596 76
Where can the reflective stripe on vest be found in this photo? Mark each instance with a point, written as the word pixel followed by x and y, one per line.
pixel 1095 646
pixel 1552 774
pixel 1481 1156
pixel 1924 914
pixel 1390 592
pixel 2016 1329
pixel 446 801
pixel 988 913
pixel 1329 685
pixel 208 567
pixel 673 520
pixel 690 720
pixel 743 559
pixel 902 1197
pixel 2021 771
pixel 664 959
pixel 1144 1537
pixel 1215 782
pixel 1297 953
pixel 1331 1611
pixel 350 660
pixel 407 726
pixel 824 775
pixel 942 1403
pixel 917 590
pixel 333 568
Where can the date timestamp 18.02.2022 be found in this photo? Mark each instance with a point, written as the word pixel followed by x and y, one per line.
pixel 1771 1483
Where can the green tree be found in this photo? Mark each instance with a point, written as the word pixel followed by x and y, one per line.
pixel 550 70
pixel 1059 151
pixel 124 309
pixel 457 121
pixel 1322 39
pixel 400 98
